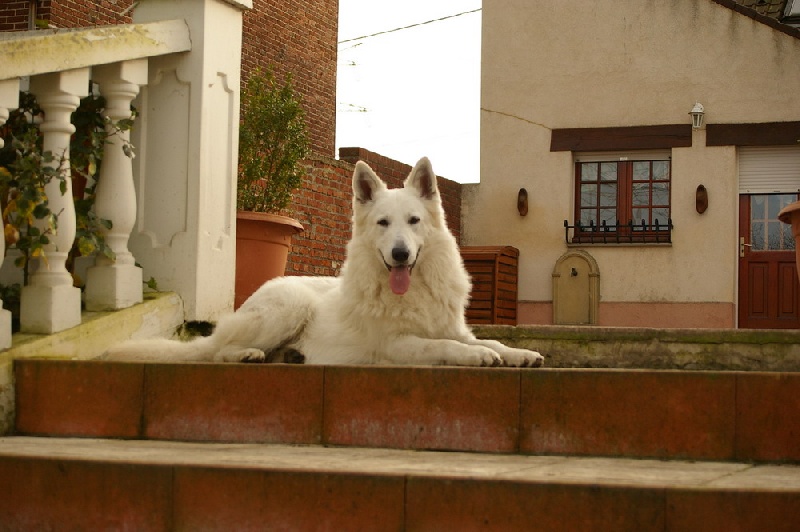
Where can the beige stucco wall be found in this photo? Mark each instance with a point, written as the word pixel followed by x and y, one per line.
pixel 553 65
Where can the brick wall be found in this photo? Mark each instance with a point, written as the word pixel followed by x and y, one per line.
pixel 298 37
pixel 76 13
pixel 394 173
pixel 324 206
pixel 14 15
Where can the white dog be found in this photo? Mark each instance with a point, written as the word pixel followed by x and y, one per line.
pixel 400 298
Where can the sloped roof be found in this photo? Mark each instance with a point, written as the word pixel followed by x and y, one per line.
pixel 768 12
pixel 771 8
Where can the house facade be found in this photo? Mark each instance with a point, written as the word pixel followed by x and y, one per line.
pixel 633 216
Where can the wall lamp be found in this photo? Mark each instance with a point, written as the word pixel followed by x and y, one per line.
pixel 698 114
pixel 522 202
pixel 701 199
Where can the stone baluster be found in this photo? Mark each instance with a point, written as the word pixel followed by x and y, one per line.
pixel 116 284
pixel 50 303
pixel 9 99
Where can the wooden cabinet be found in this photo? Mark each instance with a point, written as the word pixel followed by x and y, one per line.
pixel 494 284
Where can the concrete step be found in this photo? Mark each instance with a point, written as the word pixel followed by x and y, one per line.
pixel 740 416
pixel 100 484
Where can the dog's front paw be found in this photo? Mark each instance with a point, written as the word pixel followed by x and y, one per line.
pixel 522 358
pixel 470 355
pixel 485 357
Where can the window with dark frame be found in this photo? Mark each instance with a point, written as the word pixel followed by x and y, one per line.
pixel 767 233
pixel 622 201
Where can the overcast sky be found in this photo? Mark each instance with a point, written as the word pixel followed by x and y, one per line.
pixel 415 91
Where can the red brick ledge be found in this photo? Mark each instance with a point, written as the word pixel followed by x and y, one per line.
pixel 657 414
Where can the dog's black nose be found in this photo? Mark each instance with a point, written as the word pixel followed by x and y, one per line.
pixel 400 254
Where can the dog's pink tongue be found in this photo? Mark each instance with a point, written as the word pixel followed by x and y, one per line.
pixel 400 279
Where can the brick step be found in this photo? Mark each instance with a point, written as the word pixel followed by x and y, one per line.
pixel 96 484
pixel 740 416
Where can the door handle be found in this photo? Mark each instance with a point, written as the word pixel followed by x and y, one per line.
pixel 742 246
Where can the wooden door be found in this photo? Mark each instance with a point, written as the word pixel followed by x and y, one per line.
pixel 769 293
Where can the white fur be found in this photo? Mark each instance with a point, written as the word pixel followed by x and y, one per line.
pixel 356 318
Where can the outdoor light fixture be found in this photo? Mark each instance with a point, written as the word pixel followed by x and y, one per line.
pixel 698 114
pixel 701 199
pixel 522 202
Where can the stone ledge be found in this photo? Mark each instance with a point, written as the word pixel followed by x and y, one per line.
pixel 158 315
pixel 646 348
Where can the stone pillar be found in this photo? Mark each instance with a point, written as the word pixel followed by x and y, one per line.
pixel 9 99
pixel 50 303
pixel 116 284
pixel 186 170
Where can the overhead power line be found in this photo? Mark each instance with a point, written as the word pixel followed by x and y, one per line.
pixel 410 26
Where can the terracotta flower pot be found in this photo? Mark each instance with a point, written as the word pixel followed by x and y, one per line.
pixel 262 249
pixel 791 215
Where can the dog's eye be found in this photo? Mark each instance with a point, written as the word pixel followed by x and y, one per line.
pixel 383 222
pixel 413 220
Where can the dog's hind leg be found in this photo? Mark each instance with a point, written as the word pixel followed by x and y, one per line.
pixel 251 333
pixel 271 319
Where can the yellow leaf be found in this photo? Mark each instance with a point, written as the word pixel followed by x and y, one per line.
pixel 11 234
pixel 86 247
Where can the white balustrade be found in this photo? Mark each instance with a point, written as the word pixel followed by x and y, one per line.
pixel 116 284
pixel 50 302
pixel 181 227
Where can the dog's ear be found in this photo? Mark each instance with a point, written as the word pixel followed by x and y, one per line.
pixel 366 183
pixel 423 179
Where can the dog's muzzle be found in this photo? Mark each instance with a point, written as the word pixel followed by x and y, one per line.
pixel 400 273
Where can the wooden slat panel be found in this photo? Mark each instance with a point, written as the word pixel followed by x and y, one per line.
pixel 507 278
pixel 479 268
pixel 506 260
pixel 493 270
